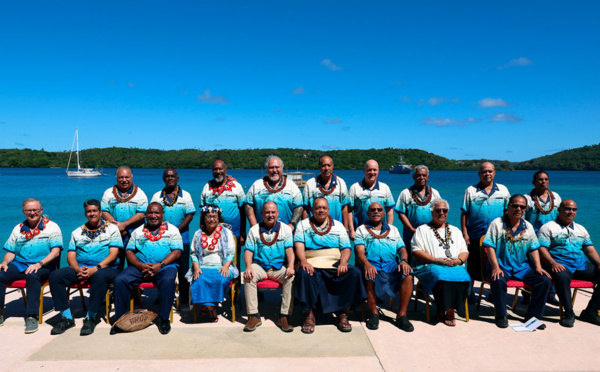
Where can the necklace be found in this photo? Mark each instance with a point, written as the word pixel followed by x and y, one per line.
pixel 228 186
pixel 443 243
pixel 378 236
pixel 322 230
pixel 272 241
pixel 215 240
pixel 417 198
pixel 153 238
pixel 165 199
pixel 538 205
pixel 327 192
pixel 275 189
pixel 126 196
pixel 95 232
pixel 36 230
pixel 511 237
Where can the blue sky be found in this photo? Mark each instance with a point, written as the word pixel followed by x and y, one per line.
pixel 464 79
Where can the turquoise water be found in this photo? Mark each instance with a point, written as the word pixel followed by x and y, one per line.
pixel 62 197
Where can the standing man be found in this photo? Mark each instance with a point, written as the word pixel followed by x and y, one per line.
pixel 365 192
pixel 564 248
pixel 482 203
pixel 124 204
pixel 226 193
pixel 179 210
pixel 330 187
pixel 152 254
pixel 414 205
pixel 31 253
pixel 92 255
pixel 542 204
pixel 274 187
pixel 511 246
pixel 268 248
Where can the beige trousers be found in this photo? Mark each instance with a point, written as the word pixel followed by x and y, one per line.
pixel 250 290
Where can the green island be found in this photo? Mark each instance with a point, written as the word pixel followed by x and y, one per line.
pixel 585 158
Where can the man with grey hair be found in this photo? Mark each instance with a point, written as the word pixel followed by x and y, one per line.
pixel 274 187
pixel 365 192
pixel 124 205
pixel 414 205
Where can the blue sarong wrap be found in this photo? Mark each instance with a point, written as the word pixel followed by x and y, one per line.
pixel 209 289
pixel 430 274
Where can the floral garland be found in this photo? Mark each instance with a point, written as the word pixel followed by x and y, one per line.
pixel 163 195
pixel 538 205
pixel 36 231
pixel 96 232
pixel 158 236
pixel 322 231
pixel 378 236
pixel 417 199
pixel 274 240
pixel 327 192
pixel 125 198
pixel 275 189
pixel 511 237
pixel 228 186
pixel 214 241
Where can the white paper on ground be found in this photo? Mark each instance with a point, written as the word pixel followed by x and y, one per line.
pixel 529 326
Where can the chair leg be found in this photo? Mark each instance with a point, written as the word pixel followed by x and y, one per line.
pixel 514 305
pixel 82 299
pixel 391 303
pixel 107 314
pixel 574 294
pixel 195 313
pixel 41 314
pixel 467 307
pixel 363 312
pixel 176 300
pixel 233 303
pixel 427 307
pixel 480 293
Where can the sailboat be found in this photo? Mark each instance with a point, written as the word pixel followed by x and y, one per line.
pixel 80 172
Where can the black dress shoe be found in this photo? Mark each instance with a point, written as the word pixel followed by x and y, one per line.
pixel 62 326
pixel 590 317
pixel 164 326
pixel 404 324
pixel 502 322
pixel 88 327
pixel 568 319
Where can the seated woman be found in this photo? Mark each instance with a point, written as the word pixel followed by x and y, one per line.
pixel 212 252
pixel 439 254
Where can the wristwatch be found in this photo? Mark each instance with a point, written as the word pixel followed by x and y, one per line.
pixel 41 264
pixel 98 267
pixel 162 264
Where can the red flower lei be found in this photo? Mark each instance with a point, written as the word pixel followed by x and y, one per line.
pixel 418 200
pixel 214 241
pixel 273 241
pixel 273 189
pixel 327 229
pixel 127 197
pixel 538 205
pixel 158 236
pixel 36 231
pixel 228 186
pixel 327 192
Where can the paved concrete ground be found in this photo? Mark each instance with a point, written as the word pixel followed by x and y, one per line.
pixel 474 346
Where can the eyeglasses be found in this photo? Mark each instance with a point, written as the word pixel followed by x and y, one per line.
pixel 440 211
pixel 31 210
pixel 518 206
pixel 567 209
pixel 375 209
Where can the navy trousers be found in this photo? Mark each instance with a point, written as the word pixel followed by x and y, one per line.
pixel 540 285
pixel 33 286
pixel 131 277
pixel 562 282
pixel 61 279
pixel 184 266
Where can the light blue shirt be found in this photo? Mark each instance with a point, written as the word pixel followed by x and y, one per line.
pixel 337 199
pixel 90 252
pixel 361 197
pixel 336 238
pixel 382 253
pixel 482 209
pixel 148 251
pixel 287 200
pixel 566 244
pixel 34 250
pixel 176 213
pixel 269 256
pixel 230 200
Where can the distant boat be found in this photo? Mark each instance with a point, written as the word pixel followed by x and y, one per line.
pixel 298 178
pixel 80 172
pixel 401 168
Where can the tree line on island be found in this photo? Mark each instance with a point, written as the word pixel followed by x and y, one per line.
pixel 583 158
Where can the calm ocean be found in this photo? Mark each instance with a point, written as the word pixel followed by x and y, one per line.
pixel 62 197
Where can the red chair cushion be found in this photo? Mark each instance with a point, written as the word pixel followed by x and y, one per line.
pixel 82 284
pixel 22 283
pixel 147 285
pixel 268 284
pixel 581 284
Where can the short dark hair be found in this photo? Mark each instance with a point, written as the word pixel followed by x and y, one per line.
pixel 512 198
pixel 89 202
pixel 536 174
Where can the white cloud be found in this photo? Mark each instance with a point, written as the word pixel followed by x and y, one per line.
pixel 471 120
pixel 503 117
pixel 434 101
pixel 333 121
pixel 215 100
pixel 404 99
pixel 330 65
pixel 441 122
pixel 521 61
pixel 492 102
pixel 330 147
pixel 299 90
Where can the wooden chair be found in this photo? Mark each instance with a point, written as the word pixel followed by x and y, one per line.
pixel 270 284
pixel 20 285
pixel 139 289
pixel 420 290
pixel 575 285
pixel 512 283
pixel 84 284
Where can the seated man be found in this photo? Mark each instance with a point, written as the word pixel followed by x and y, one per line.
pixel 152 253
pixel 92 257
pixel 564 247
pixel 269 244
pixel 510 240
pixel 324 278
pixel 378 246
pixel 31 253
